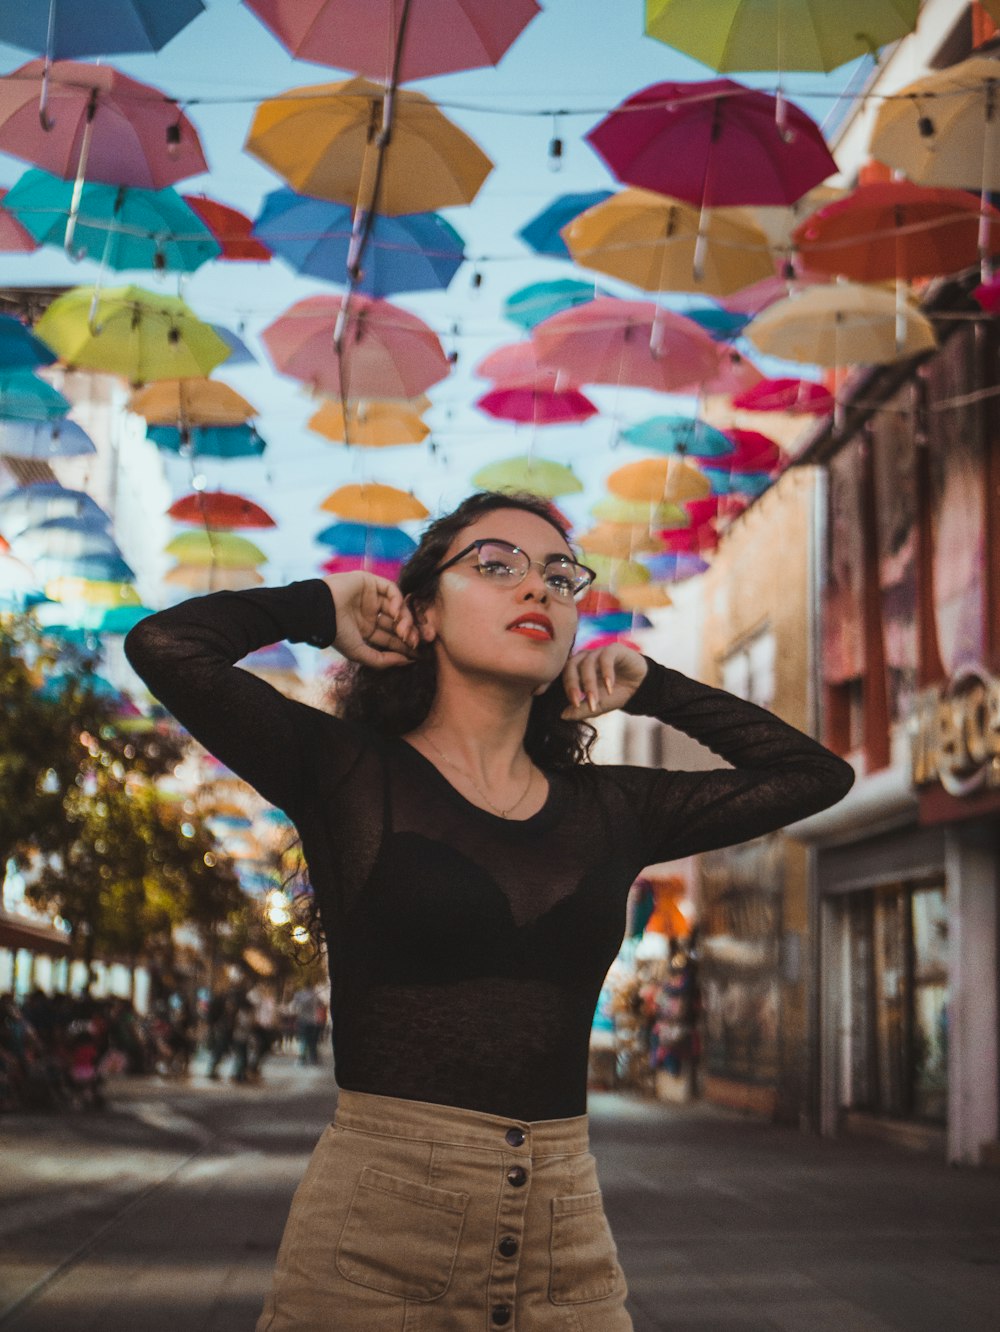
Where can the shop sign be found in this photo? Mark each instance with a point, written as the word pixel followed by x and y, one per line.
pixel 955 733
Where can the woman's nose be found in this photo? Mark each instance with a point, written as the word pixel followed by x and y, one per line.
pixel 534 585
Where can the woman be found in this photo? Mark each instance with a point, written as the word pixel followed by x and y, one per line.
pixel 471 872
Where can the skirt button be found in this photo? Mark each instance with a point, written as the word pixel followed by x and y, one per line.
pixel 501 1315
pixel 516 1176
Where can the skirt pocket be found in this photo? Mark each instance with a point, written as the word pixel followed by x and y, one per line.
pixel 400 1237
pixel 584 1260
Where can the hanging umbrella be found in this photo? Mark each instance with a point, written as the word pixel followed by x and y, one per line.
pixel 609 640
pixel 598 601
pixel 675 567
pixel 19 348
pixel 239 352
pixel 987 296
pixel 706 510
pixel 538 476
pixel 238 441
pixel 538 405
pixel 25 397
pixel 614 573
pixel 618 622
pixel 690 540
pixel 663 244
pixel 543 233
pixel 370 424
pixel 199 578
pixel 219 549
pixel 678 434
pixel 721 324
pixel 644 596
pixel 713 144
pixel 141 335
pixel 119 619
pixel 320 140
pixel 374 504
pixel 92 592
pixel 18 583
pixel 751 452
pixel 385 352
pixel 370 563
pixel 381 543
pixel 530 305
pixel 275 659
pixel 409 252
pixel 779 34
pixel 897 230
pixel 96 567
pixel 59 539
pixel 798 397
pixel 118 226
pixel 219 509
pixel 518 363
pixel 647 513
pixel 656 479
pixel 14 239
pixel 843 324
pixel 634 343
pixel 34 503
pixel 191 402
pixel 59 438
pixel 231 229
pixel 738 483
pixel 759 295
pixel 620 540
pixel 64 28
pixel 734 373
pixel 436 38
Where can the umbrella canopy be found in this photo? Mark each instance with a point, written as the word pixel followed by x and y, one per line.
pixel 14 239
pixel 386 352
pixel 34 503
pixel 219 509
pixel 119 226
pixel 97 567
pixel 198 578
pixel 987 294
pixel 702 511
pixel 759 295
pixel 656 479
pixel 679 434
pixel 663 244
pixel 650 514
pixel 238 441
pixel 371 424
pixel 798 397
pixel 518 363
pixel 843 324
pixel 779 34
pixel 439 37
pixel 543 233
pixel 119 619
pixel 721 324
pixel 319 139
pixel 128 331
pixel 538 476
pixel 675 566
pixel 409 252
pixel 896 229
pixel 381 543
pixel 92 592
pixel 632 343
pixel 751 452
pixel 219 549
pixel 713 144
pixel 231 229
pixel 102 125
pixel 738 483
pixel 77 28
pixel 370 563
pixel 644 596
pixel 614 573
pixel 598 601
pixel 59 438
pixel 191 402
pixel 374 504
pixel 19 348
pixel 690 540
pixel 536 302
pixel 59 540
pixel 609 640
pixel 239 352
pixel 734 373
pixel 538 405
pixel 25 397
pixel 621 540
pixel 18 582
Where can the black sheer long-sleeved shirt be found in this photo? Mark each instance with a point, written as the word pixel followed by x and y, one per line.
pixel 466 950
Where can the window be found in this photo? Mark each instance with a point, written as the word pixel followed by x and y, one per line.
pixel 748 672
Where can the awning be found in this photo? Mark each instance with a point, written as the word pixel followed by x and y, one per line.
pixel 17 932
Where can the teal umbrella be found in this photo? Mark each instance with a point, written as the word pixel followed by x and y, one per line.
pixel 19 348
pixel 536 302
pixel 679 434
pixel 238 441
pixel 119 226
pixel 25 397
pixel 738 483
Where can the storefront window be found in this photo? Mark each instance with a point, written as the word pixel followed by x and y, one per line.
pixel 930 1003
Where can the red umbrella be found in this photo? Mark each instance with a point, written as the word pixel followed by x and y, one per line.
pixel 633 343
pixel 230 227
pixel 754 453
pixel 598 601
pixel 439 36
pixel 713 143
pixel 797 396
pixel 14 239
pixel 349 563
pixel 690 540
pixel 536 404
pixel 219 508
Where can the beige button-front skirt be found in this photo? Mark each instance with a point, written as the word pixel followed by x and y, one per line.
pixel 428 1218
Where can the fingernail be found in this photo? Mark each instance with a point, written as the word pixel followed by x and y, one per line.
pixel 607 683
pixel 592 700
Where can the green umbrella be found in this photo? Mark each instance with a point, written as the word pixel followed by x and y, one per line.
pixel 221 549
pixel 538 476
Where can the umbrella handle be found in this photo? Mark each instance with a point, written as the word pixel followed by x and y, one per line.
pixel 81 171
pixel 44 119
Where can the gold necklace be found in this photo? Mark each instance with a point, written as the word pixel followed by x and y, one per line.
pixel 504 813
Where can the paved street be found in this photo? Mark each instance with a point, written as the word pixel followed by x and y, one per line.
pixel 164 1212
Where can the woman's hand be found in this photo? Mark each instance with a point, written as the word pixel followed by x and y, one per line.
pixel 374 623
pixel 602 679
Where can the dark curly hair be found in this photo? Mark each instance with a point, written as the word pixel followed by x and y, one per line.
pixel 397 701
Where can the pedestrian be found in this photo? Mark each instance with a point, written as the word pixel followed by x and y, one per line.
pixel 221 1018
pixel 307 1007
pixel 243 1025
pixel 471 871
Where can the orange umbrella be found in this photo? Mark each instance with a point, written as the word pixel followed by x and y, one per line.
pixel 192 402
pixel 374 503
pixel 202 578
pixel 655 479
pixel 371 424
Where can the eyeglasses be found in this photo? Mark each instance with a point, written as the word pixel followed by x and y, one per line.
pixel 507 565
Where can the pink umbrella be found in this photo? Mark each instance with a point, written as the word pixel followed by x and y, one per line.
pixel 987 296
pixel 713 143
pixel 536 404
pixel 517 363
pixel 754 453
pixel 385 352
pixel 349 563
pixel 759 295
pixel 633 343
pixel 438 36
pixel 798 396
pixel 14 239
pixel 608 640
pixel 733 374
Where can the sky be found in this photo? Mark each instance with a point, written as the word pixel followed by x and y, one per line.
pixel 578 56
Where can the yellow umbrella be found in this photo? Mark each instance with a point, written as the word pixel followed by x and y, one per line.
pixel 374 503
pixel 203 579
pixel 93 592
pixel 373 424
pixel 539 476
pixel 193 402
pixel 614 509
pixel 615 573
pixel 322 141
pixel 847 323
pixel 221 550
pixel 644 596
pixel 620 540
pixel 655 479
pixel 661 244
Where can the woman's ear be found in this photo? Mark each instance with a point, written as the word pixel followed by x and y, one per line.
pixel 425 629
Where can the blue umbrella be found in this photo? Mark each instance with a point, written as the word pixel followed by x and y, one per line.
pixel 42 541
pixel 19 348
pixel 83 28
pixel 91 521
pixel 96 568
pixel 541 234
pixel 381 543
pixel 536 302
pixel 722 325
pixel 674 567
pixel 24 505
pixel 61 438
pixel 119 226
pixel 239 352
pixel 410 252
pixel 679 434
pixel 238 441
pixel 738 483
pixel 25 397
